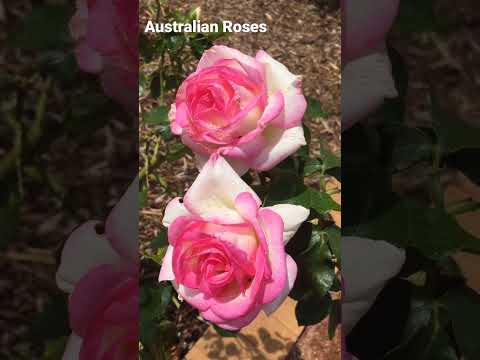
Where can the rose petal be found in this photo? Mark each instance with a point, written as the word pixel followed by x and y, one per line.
pixel 88 59
pixel 122 224
pixel 72 349
pixel 194 297
pixel 220 52
pixel 85 301
pixel 293 217
pixel 166 272
pixel 246 205
pixel 366 267
pixel 365 25
pixel 235 324
pixel 213 193
pixel 366 83
pixel 278 78
pixel 272 226
pixel 280 144
pixel 84 250
pixel 174 209
pixel 270 308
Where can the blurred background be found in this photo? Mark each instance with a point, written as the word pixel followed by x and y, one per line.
pixel 67 153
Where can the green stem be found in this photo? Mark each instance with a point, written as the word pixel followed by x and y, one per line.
pixel 462 207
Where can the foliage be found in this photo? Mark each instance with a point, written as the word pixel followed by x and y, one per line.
pixel 393 178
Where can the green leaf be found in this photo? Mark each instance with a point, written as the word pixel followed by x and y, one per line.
pixel 287 187
pixel 334 238
pixel 158 116
pixel 454 134
pixel 46 27
pixel 327 161
pixel 176 151
pixel 154 302
pixel 463 306
pixel 52 322
pixel 54 349
pixel 432 231
pixel 223 332
pixel 334 318
pixel 415 16
pixel 311 309
pixel 411 145
pixel 9 220
pixel 142 198
pixel 315 109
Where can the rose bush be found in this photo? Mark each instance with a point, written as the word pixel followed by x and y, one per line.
pixel 226 253
pixel 247 109
pixel 366 69
pixel 100 271
pixel 106 36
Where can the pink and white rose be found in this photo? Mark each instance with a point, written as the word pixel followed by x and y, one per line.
pixel 226 253
pixel 248 109
pixel 106 37
pixel 366 70
pixel 100 271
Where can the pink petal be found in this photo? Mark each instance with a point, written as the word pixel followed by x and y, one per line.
pixel 194 297
pixel 272 226
pixel 270 308
pixel 365 25
pixel 220 52
pixel 85 302
pixel 234 324
pixel 246 205
pixel 234 306
pixel 88 59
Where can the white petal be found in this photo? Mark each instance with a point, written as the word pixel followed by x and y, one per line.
pixel 367 265
pixel 174 209
pixel 293 216
pixel 84 250
pixel 279 78
pixel 166 271
pixel 280 145
pixel 366 83
pixel 238 165
pixel 122 224
pixel 277 75
pixel 72 349
pixel 213 193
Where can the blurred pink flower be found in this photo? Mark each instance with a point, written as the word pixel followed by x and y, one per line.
pixel 100 271
pixel 366 70
pixel 248 109
pixel 106 37
pixel 226 254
